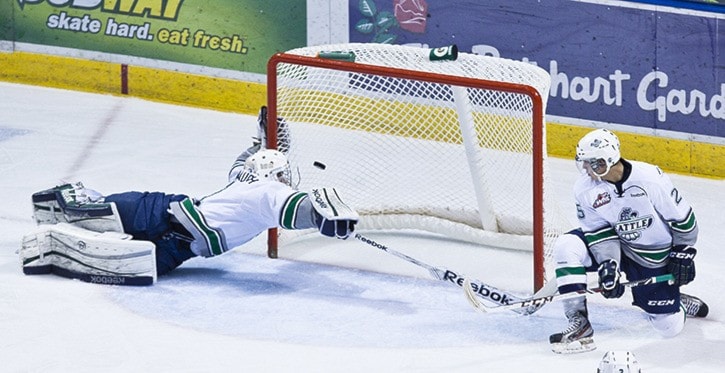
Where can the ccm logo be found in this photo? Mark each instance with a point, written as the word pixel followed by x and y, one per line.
pixel 661 303
pixel 682 255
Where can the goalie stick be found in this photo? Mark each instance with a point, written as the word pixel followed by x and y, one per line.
pixel 484 291
pixel 487 292
pixel 537 302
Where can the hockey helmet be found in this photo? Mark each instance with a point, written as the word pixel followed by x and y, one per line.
pixel 619 362
pixel 597 152
pixel 269 164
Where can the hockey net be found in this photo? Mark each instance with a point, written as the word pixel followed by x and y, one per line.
pixel 453 147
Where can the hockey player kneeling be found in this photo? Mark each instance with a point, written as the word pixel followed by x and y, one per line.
pixel 130 238
pixel 634 223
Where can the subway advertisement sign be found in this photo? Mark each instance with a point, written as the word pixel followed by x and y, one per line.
pixel 237 35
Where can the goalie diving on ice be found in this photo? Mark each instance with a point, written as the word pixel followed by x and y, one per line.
pixel 132 237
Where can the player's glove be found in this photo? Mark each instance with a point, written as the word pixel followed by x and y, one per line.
pixel 283 135
pixel 682 264
pixel 609 279
pixel 332 216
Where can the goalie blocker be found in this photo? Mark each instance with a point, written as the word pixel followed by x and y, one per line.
pixel 105 258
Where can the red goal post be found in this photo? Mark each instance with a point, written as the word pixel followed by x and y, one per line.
pixel 393 105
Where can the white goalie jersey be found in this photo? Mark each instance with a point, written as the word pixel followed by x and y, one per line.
pixel 644 215
pixel 239 212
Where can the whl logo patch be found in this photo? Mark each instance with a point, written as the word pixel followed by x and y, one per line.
pixel 602 199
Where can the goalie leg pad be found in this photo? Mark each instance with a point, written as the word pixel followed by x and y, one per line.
pixel 73 252
pixel 97 217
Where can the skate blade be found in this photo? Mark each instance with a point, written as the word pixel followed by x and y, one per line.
pixel 582 345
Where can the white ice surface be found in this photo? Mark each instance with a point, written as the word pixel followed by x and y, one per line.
pixel 325 306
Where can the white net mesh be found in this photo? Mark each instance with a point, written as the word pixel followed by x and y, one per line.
pixel 409 153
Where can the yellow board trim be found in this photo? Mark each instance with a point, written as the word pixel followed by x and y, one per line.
pixel 60 72
pixel 151 84
pixel 672 155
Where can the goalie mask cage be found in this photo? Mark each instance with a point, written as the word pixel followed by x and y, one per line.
pixel 451 147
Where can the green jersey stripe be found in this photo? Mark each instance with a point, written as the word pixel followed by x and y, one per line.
pixel 289 210
pixel 685 225
pixel 213 238
pixel 600 236
pixel 652 256
pixel 567 271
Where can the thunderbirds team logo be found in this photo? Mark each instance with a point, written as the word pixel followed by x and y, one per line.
pixel 631 225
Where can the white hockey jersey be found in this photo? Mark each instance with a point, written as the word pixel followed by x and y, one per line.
pixel 239 212
pixel 644 215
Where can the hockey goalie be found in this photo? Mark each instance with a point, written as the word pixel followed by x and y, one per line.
pixel 131 238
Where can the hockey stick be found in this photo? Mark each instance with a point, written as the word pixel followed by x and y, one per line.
pixel 484 291
pixel 538 302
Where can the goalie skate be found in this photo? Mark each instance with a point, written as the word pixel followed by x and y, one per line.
pixel 577 337
pixel 73 203
pixel 48 204
pixel 106 258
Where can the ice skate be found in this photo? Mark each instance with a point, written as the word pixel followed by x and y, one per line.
pixel 694 306
pixel 49 205
pixel 77 205
pixel 577 337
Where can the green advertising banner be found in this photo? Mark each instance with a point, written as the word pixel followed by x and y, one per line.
pixel 237 35
pixel 6 20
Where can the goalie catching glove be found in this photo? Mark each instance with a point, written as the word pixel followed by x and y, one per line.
pixel 332 216
pixel 682 264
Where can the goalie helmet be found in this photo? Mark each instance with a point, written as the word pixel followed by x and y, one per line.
pixel 269 164
pixel 597 152
pixel 619 362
